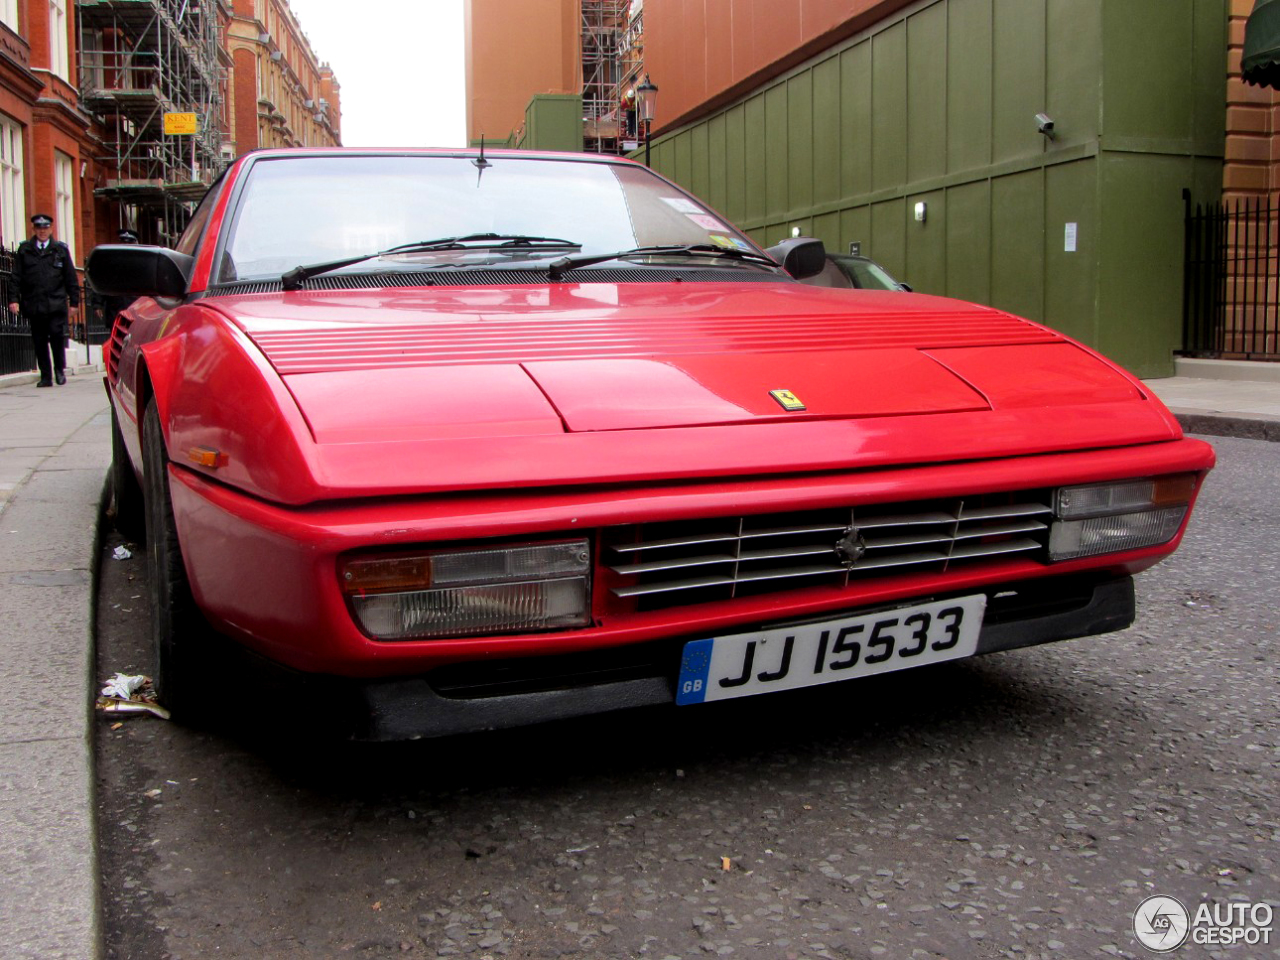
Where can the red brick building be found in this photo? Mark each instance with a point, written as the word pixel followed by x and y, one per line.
pixel 47 142
pixel 85 87
pixel 1253 122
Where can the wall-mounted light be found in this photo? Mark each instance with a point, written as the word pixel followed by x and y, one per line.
pixel 1044 123
pixel 922 211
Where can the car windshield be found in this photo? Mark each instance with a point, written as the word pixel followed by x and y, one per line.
pixel 867 275
pixel 303 210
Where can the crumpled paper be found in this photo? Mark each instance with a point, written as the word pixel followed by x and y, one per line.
pixel 124 686
pixel 126 694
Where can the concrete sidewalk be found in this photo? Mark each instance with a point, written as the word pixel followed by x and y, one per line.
pixel 1232 398
pixel 55 448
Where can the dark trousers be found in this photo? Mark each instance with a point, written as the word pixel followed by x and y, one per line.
pixel 49 336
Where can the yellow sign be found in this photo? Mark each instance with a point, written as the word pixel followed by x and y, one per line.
pixel 177 124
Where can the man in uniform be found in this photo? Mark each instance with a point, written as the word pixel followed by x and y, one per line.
pixel 45 279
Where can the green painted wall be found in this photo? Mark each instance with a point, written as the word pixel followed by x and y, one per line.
pixel 937 105
pixel 552 122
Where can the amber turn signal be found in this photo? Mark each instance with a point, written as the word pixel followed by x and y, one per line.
pixel 207 457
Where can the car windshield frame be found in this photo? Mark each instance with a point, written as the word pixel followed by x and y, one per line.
pixel 601 205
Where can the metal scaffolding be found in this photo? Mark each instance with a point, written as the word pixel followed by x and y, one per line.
pixel 612 57
pixel 140 60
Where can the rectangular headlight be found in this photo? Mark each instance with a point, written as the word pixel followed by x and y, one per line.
pixel 471 592
pixel 1125 515
pixel 1070 539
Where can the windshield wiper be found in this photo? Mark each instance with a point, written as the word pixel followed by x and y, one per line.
pixel 294 279
pixel 557 267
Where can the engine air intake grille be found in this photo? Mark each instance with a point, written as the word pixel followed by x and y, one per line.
pixel 695 561
pixel 119 331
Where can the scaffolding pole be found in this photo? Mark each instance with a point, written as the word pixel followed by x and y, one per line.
pixel 140 60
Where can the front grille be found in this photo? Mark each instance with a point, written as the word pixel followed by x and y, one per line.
pixel 667 564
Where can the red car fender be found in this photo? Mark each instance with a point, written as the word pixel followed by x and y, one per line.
pixel 224 411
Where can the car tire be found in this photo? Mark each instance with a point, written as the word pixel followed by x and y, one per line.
pixel 178 629
pixel 126 492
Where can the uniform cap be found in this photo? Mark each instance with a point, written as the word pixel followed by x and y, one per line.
pixel 127 236
pixel 42 220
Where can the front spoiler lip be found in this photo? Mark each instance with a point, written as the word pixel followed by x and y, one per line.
pixel 411 708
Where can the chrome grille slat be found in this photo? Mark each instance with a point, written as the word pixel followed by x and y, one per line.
pixel 905 540
pixel 1001 528
pixel 675 542
pixel 993 549
pixel 675 563
pixel 1012 510
pixel 904 519
pixel 663 564
pixel 788 531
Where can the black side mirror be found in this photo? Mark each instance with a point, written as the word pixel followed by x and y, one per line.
pixel 134 270
pixel 802 257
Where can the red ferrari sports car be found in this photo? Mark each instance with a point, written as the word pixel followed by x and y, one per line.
pixel 470 441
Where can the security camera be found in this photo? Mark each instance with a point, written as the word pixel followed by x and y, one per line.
pixel 1044 124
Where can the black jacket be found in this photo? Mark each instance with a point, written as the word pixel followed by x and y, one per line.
pixel 45 280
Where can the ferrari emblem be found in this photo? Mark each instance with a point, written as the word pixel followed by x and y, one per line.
pixel 787 400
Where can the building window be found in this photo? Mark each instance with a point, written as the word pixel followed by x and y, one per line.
pixel 13 192
pixel 59 57
pixel 9 14
pixel 64 214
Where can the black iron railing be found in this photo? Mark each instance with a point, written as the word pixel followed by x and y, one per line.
pixel 16 353
pixel 1231 280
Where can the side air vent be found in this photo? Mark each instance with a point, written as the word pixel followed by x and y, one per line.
pixel 119 331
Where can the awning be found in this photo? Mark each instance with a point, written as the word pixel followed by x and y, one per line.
pixel 1261 62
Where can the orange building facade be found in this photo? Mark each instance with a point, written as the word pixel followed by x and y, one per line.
pixel 707 53
pixel 515 51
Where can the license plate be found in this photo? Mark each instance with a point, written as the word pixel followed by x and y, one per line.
pixel 744 664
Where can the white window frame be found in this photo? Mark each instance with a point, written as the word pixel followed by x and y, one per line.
pixel 9 14
pixel 64 213
pixel 13 190
pixel 59 54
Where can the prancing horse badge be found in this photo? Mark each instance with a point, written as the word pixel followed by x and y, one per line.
pixel 786 399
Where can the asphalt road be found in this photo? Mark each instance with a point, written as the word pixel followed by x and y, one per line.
pixel 1017 805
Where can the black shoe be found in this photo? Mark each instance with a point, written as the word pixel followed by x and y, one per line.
pixel 60 378
pixel 45 383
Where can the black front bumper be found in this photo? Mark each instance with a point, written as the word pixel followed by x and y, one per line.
pixel 517 692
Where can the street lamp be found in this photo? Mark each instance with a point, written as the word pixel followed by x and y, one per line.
pixel 647 95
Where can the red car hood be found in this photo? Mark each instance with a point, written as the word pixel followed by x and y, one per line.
pixel 614 357
pixel 531 364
